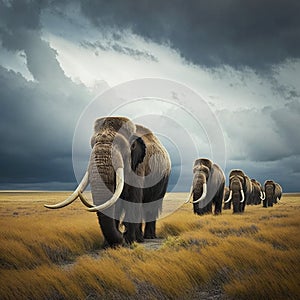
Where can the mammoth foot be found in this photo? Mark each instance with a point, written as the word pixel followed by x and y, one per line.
pixel 150 236
pixel 106 245
pixel 133 233
pixel 149 232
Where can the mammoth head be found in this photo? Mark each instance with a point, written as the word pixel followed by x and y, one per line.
pixel 269 188
pixel 203 165
pixel 116 149
pixel 106 129
pixel 238 175
pixel 202 170
pixel 237 182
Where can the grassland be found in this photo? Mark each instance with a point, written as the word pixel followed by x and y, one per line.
pixel 57 254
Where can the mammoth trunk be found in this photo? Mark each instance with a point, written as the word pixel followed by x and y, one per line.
pixel 199 194
pixel 236 199
pixel 199 188
pixel 102 179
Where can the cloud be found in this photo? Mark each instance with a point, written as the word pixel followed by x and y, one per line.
pixel 268 134
pixel 38 116
pixel 256 34
pixel 241 57
pixel 36 129
pixel 287 123
pixel 264 143
pixel 117 47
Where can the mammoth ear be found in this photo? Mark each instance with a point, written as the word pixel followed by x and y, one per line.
pixel 138 151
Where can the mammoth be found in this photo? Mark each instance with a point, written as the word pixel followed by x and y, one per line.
pixel 257 193
pixel 207 187
pixel 240 188
pixel 128 173
pixel 273 192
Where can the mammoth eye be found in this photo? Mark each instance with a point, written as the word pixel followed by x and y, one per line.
pixel 133 146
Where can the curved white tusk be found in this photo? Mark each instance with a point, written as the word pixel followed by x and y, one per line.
pixel 203 194
pixel 116 195
pixel 84 200
pixel 229 198
pixel 243 196
pixel 81 187
pixel 190 195
pixel 262 195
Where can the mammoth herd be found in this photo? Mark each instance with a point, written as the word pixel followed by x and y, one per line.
pixel 245 191
pixel 208 188
pixel 128 173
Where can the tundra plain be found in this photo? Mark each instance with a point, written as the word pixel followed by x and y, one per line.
pixel 57 254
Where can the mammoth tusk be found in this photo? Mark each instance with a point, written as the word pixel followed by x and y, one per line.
pixel 116 195
pixel 190 195
pixel 243 196
pixel 262 195
pixel 84 200
pixel 203 194
pixel 81 187
pixel 229 198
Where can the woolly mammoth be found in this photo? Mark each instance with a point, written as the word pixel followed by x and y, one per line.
pixel 273 192
pixel 257 193
pixel 128 173
pixel 207 187
pixel 240 190
pixel 227 204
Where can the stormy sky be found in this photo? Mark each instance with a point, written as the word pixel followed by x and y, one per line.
pixel 242 57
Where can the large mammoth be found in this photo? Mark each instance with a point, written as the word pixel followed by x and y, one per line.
pixel 273 192
pixel 207 187
pixel 128 163
pixel 257 193
pixel 240 190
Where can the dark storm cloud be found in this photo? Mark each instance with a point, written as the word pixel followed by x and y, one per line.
pixel 37 118
pixel 255 34
pixel 36 129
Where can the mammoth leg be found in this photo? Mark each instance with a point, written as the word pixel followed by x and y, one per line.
pixel 209 208
pixel 112 236
pixel 150 230
pixel 218 199
pixel 243 206
pixel 152 206
pixel 133 213
pixel 265 203
pixel 133 233
pixel 206 210
pixel 139 233
pixel 129 234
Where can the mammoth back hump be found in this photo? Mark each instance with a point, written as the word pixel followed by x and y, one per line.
pixel 121 125
pixel 269 182
pixel 237 172
pixel 203 161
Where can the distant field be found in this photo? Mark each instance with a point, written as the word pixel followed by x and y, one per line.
pixel 57 254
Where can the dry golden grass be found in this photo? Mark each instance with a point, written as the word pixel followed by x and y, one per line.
pixel 56 254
